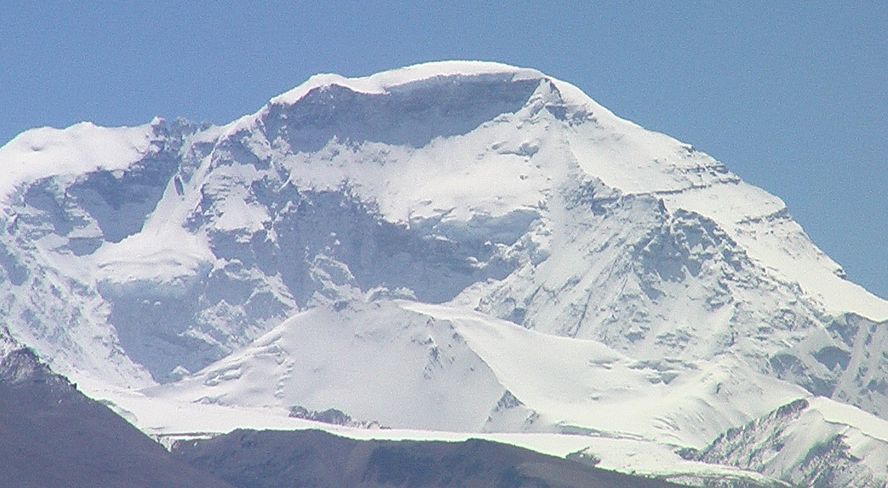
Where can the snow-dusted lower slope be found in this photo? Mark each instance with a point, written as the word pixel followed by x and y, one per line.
pixel 53 435
pixel 170 421
pixel 246 259
pixel 815 442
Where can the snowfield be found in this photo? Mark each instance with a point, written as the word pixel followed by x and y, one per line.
pixel 449 250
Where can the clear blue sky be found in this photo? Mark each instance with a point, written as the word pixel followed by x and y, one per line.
pixel 792 96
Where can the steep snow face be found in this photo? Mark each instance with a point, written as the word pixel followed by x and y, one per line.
pixel 55 224
pixel 145 254
pixel 69 153
pixel 639 162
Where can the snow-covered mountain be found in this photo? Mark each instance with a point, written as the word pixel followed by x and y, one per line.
pixel 457 246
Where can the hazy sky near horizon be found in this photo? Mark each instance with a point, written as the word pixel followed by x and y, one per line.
pixel 792 97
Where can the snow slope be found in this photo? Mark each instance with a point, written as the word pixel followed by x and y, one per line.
pixel 171 421
pixel 68 153
pixel 476 373
pixel 816 442
pixel 459 245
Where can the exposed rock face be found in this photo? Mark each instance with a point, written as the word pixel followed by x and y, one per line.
pixel 52 435
pixel 797 444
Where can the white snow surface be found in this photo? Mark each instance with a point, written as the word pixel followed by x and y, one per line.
pixel 81 148
pixel 818 441
pixel 630 159
pixel 382 82
pixel 170 421
pixel 455 246
pixel 464 363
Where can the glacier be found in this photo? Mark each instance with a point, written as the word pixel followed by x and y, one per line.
pixel 453 246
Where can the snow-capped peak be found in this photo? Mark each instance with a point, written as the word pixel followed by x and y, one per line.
pixel 499 194
pixel 384 81
pixel 424 74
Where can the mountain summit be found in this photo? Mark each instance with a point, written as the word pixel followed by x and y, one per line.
pixel 458 245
